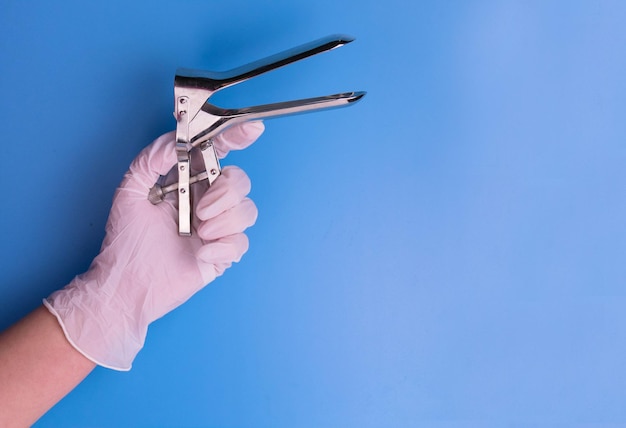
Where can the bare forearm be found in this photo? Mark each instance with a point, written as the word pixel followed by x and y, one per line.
pixel 38 367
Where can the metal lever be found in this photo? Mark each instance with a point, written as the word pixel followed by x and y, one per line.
pixel 157 192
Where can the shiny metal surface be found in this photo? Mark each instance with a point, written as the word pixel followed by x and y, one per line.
pixel 198 121
pixel 184 166
pixel 214 81
pixel 158 192
pixel 213 170
pixel 211 162
pixel 212 119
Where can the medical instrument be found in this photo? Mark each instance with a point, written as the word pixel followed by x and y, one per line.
pixel 198 121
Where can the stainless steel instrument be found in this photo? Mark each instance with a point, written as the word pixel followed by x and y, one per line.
pixel 198 121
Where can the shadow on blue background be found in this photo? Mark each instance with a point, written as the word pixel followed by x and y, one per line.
pixel 446 253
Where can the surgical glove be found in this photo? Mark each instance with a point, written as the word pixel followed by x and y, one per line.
pixel 144 268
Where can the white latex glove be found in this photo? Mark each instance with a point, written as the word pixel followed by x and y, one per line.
pixel 145 269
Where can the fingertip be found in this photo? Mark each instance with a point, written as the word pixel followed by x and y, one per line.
pixel 228 190
pixel 238 137
pixel 237 179
pixel 229 249
pixel 235 220
pixel 254 129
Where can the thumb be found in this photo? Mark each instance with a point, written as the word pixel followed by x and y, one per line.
pixel 154 160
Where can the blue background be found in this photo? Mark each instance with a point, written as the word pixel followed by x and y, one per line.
pixel 449 252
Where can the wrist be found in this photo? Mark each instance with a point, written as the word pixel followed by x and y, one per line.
pixel 97 322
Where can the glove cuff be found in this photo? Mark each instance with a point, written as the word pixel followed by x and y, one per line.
pixel 102 333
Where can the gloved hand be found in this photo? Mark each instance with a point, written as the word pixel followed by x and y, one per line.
pixel 145 269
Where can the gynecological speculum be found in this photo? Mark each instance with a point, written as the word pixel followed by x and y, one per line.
pixel 198 121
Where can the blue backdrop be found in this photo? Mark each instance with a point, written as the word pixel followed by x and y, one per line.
pixel 449 252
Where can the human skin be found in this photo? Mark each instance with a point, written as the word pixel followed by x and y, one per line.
pixel 38 367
